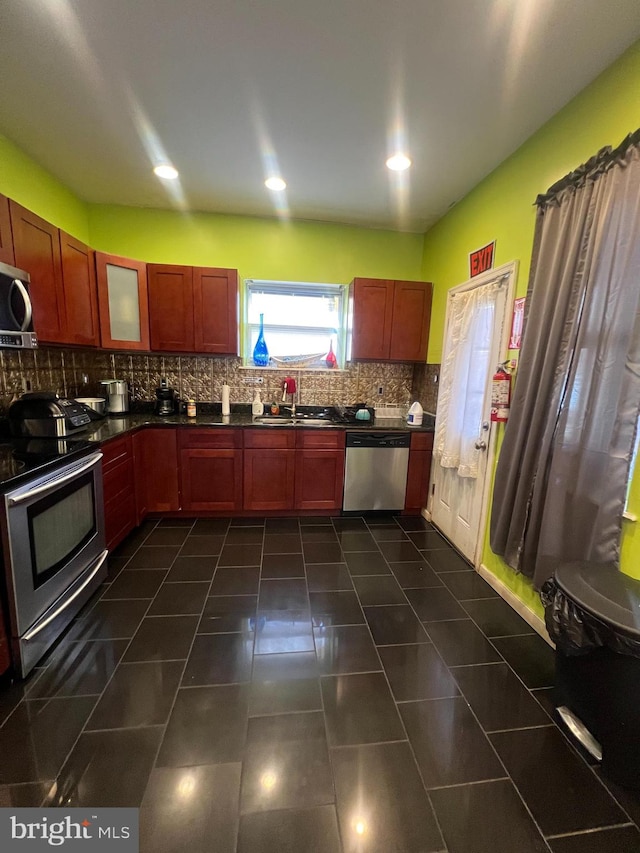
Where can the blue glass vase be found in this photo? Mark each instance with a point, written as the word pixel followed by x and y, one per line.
pixel 260 351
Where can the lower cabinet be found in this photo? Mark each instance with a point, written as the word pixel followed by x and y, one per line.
pixel 120 515
pixel 156 467
pixel 5 647
pixel 419 471
pixel 211 469
pixel 269 469
pixel 319 469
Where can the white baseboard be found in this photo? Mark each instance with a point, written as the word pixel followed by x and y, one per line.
pixel 518 605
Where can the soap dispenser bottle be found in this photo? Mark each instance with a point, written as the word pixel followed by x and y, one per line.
pixel 257 406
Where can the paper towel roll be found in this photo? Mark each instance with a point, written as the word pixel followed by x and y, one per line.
pixel 225 400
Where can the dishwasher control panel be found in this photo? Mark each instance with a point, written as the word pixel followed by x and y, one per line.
pixel 378 439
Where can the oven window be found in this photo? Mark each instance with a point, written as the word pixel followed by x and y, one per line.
pixel 59 527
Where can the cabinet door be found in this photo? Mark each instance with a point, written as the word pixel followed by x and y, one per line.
pixel 372 312
pixel 319 479
pixel 119 490
pixel 36 245
pixel 215 293
pixel 80 293
pixel 418 472
pixel 269 479
pixel 5 649
pixel 6 240
pixel 411 318
pixel 123 302
pixel 171 315
pixel 156 467
pixel 211 479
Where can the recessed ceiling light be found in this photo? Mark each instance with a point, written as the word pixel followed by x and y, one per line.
pixel 398 163
pixel 275 184
pixel 167 172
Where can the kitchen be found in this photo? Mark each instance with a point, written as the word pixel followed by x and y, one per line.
pixel 266 248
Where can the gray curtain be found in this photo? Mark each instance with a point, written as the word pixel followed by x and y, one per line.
pixel 562 472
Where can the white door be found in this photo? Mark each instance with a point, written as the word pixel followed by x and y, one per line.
pixel 476 339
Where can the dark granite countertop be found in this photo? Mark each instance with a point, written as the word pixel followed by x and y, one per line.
pixel 113 426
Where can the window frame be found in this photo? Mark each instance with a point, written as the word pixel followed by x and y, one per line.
pixel 338 332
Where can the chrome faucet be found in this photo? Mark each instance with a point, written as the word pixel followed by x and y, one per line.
pixel 289 387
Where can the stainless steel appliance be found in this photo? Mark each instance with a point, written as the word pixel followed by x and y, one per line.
pixel 375 476
pixel 117 393
pixel 53 548
pixel 42 414
pixel 16 316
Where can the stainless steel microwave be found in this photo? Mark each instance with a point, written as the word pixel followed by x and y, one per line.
pixel 16 315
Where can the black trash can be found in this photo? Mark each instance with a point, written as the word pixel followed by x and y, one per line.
pixel 592 613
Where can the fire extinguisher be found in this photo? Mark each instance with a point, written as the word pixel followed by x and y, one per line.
pixel 500 394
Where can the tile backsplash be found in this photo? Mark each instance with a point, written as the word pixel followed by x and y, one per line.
pixel 75 372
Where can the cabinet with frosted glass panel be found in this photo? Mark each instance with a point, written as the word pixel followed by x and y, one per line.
pixel 123 301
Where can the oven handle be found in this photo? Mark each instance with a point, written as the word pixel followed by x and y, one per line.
pixel 54 482
pixel 31 634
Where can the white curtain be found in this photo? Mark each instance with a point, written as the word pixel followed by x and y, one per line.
pixel 463 377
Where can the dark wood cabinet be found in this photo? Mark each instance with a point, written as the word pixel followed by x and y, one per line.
pixel 5 644
pixel 419 471
pixel 319 476
pixel 215 300
pixel 193 309
pixel 119 490
pixel 410 320
pixel 156 469
pixel 211 469
pixel 6 239
pixel 269 469
pixel 123 302
pixel 390 319
pixel 171 315
pixel 82 326
pixel 36 245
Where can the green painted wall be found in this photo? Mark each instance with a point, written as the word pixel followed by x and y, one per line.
pixel 258 248
pixel 502 208
pixel 36 189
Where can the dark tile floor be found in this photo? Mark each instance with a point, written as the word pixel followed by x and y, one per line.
pixel 280 685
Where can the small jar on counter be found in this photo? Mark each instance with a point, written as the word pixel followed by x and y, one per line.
pixel 191 408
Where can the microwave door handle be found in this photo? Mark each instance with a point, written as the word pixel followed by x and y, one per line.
pixel 54 483
pixel 28 311
pixel 31 634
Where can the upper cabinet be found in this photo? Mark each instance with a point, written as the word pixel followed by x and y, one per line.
pixel 6 241
pixel 36 246
pixel 123 302
pixel 62 279
pixel 390 319
pixel 193 309
pixel 80 296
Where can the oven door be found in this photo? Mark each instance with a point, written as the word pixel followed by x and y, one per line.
pixel 55 533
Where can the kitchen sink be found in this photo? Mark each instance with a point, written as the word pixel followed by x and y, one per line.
pixel 275 420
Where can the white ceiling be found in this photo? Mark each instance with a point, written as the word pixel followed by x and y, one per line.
pixel 98 91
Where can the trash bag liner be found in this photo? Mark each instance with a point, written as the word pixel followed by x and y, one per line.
pixel 590 606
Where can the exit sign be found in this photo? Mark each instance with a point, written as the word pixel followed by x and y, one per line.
pixel 482 259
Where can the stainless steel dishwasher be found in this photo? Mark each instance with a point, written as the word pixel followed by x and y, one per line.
pixel 375 476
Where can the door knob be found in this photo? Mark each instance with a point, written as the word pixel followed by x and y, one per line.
pixel 481 445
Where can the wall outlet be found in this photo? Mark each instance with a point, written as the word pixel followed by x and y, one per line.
pixel 253 380
pixel 380 390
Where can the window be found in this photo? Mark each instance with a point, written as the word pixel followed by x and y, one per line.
pixel 302 322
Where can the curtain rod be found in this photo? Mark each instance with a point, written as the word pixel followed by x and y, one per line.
pixel 592 169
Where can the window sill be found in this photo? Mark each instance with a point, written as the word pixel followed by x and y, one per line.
pixel 291 368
